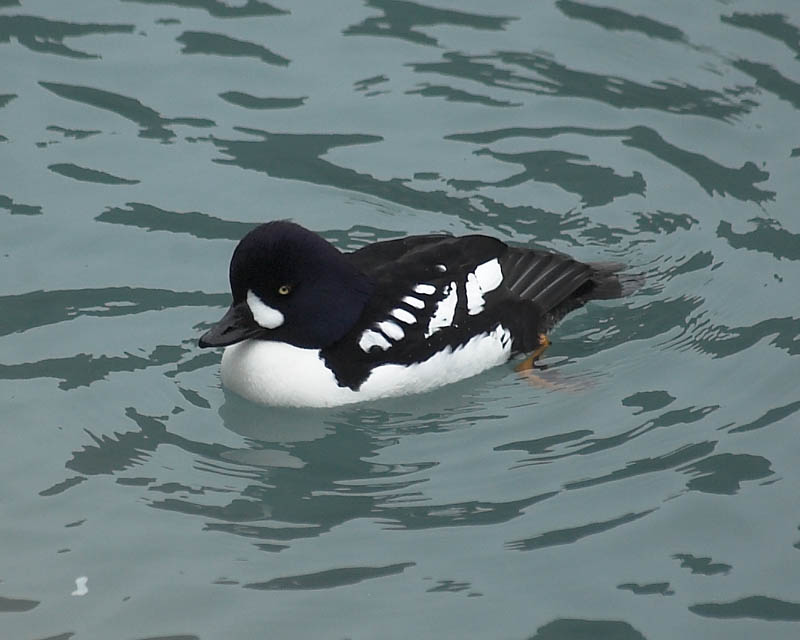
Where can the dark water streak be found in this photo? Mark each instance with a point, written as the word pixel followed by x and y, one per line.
pixel 251 8
pixel 47 36
pixel 150 121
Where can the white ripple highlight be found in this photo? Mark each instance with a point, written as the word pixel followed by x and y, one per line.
pixel 80 586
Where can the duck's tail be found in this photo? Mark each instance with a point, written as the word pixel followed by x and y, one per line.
pixel 608 282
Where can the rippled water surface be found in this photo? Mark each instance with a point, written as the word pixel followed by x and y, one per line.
pixel 647 487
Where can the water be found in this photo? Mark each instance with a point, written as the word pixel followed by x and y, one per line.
pixel 648 489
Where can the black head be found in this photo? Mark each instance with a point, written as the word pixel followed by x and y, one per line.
pixel 292 285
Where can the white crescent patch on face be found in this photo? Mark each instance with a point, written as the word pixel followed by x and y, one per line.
pixel 263 314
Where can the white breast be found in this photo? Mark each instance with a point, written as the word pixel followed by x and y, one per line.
pixel 277 373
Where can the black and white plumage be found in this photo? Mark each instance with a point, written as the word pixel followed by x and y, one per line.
pixel 312 326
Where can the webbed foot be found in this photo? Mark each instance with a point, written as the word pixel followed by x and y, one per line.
pixel 528 363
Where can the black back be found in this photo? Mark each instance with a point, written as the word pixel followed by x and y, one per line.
pixel 537 289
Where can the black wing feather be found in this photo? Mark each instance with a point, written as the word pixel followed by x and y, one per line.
pixel 380 253
pixel 538 288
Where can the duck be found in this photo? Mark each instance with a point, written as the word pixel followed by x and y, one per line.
pixel 312 326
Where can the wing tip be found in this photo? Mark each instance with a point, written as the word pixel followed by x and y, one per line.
pixel 609 283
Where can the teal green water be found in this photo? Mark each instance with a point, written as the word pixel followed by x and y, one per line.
pixel 647 488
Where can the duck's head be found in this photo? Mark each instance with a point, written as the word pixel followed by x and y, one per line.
pixel 291 285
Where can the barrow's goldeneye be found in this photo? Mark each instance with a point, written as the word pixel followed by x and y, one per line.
pixel 312 326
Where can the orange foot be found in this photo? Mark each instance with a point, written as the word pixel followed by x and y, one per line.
pixel 528 370
pixel 528 363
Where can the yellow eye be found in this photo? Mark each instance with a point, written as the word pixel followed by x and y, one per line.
pixel 285 289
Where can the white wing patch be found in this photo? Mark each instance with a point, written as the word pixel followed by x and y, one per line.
pixel 403 316
pixel 445 310
pixel 411 301
pixel 474 295
pixel 489 275
pixel 263 314
pixel 391 330
pixel 486 277
pixel 371 339
pixel 377 336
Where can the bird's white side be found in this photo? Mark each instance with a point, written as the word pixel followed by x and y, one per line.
pixel 278 373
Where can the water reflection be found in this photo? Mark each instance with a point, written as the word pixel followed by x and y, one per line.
pixel 248 101
pixel 596 185
pixel 297 474
pixel 151 122
pixel 768 237
pixel 473 512
pixel 719 340
pixel 617 20
pixel 653 588
pixel 47 36
pixel 222 45
pixel 299 157
pixel 366 85
pixel 608 327
pixel 773 25
pixel 648 401
pixel 770 79
pixel 769 417
pixel 557 80
pixel 78 134
pixel 301 472
pixel 702 565
pixel 195 223
pixel 571 628
pixel 713 177
pixel 84 174
pixel 663 222
pixel 207 226
pixel 653 464
pixel 41 308
pixel 573 534
pixel 9 605
pixel 17 208
pixel 400 19
pixel 330 578
pixel 450 94
pixel 220 9
pixel 757 607
pixel 724 473
pixel 83 369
